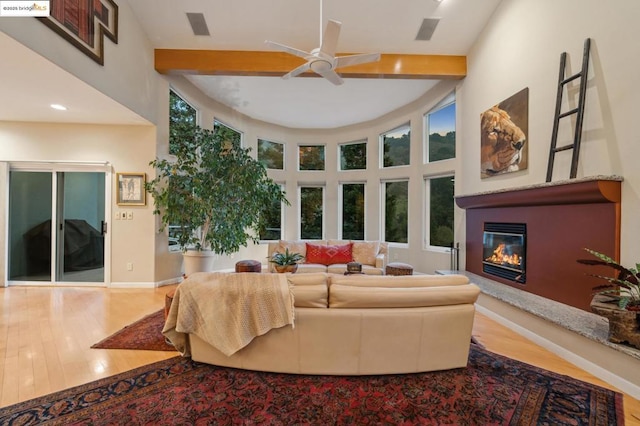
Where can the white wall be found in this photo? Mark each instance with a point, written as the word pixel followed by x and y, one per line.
pixel 521 48
pixel 127 148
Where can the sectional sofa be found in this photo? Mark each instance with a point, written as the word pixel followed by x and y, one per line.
pixel 356 325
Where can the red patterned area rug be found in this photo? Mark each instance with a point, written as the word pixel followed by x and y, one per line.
pixel 144 334
pixel 492 390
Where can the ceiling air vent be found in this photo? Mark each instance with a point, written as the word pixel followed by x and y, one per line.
pixel 198 24
pixel 427 28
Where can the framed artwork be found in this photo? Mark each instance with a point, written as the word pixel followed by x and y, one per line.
pixel 504 132
pixel 85 24
pixel 130 190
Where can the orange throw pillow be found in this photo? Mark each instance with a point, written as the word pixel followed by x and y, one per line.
pixel 329 255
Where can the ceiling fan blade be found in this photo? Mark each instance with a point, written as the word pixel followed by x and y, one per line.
pixel 287 49
pixel 330 38
pixel 332 76
pixel 302 68
pixel 345 61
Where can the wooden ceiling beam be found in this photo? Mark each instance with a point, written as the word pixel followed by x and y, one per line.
pixel 276 64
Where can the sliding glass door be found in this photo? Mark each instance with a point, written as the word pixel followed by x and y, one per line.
pixel 56 227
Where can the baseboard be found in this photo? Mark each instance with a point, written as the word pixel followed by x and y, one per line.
pixel 605 363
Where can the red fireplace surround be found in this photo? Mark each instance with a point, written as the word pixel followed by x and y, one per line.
pixel 562 218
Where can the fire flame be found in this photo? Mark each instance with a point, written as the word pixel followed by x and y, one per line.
pixel 500 257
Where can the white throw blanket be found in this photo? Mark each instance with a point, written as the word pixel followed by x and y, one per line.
pixel 228 310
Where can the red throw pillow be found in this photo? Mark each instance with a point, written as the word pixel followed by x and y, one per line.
pixel 329 255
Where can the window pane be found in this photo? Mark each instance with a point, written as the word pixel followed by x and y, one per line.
pixel 180 114
pixel 396 203
pixel 353 211
pixel 442 133
pixel 353 156
pixel 311 157
pixel 271 154
pixel 441 211
pixel 227 133
pixel 311 213
pixel 396 147
pixel 272 222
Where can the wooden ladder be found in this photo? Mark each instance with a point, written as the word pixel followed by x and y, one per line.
pixel 579 110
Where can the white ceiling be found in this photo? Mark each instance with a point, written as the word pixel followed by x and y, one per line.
pixel 368 26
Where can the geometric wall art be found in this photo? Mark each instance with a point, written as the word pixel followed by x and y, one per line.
pixel 85 24
pixel 504 132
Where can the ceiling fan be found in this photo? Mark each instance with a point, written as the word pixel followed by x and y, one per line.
pixel 322 60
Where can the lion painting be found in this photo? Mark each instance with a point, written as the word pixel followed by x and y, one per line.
pixel 502 142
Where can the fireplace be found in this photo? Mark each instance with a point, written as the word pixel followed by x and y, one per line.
pixel 504 250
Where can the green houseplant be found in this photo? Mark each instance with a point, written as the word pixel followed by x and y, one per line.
pixel 618 299
pixel 212 193
pixel 287 261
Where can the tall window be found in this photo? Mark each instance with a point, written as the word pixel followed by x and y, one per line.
pixel 311 212
pixel 440 125
pixel 353 211
pixel 229 134
pixel 439 194
pixel 353 156
pixel 396 147
pixel 181 114
pixel 273 222
pixel 396 211
pixel 271 154
pixel 311 157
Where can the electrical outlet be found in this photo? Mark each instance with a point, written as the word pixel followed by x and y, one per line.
pixel 123 215
pixel 129 215
pixel 129 266
pixel 117 216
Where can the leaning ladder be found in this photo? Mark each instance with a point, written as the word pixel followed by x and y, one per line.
pixel 562 81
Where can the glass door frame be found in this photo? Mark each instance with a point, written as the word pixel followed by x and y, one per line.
pixel 54 168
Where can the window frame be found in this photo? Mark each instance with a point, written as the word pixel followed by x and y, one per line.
pixel 241 133
pixel 183 99
pixel 324 156
pixel 284 152
pixel 324 209
pixel 447 101
pixel 282 219
pixel 356 142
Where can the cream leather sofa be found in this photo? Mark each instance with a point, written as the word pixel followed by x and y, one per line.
pixel 371 254
pixel 359 324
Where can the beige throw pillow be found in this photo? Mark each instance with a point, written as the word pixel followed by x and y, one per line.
pixel 365 252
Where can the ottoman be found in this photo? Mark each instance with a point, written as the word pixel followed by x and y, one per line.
pixel 248 266
pixel 397 268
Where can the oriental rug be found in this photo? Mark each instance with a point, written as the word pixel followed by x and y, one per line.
pixel 144 334
pixel 492 390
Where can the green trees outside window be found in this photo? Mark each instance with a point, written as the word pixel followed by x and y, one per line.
pixel 396 147
pixel 311 212
pixel 353 156
pixel 396 211
pixel 353 211
pixel 271 154
pixel 441 133
pixel 441 191
pixel 311 157
pixel 181 116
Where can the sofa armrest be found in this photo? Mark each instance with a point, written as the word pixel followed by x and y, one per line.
pixel 381 260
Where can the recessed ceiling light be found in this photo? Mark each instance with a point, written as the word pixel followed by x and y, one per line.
pixel 59 107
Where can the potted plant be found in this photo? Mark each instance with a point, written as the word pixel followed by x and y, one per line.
pixel 211 193
pixel 618 300
pixel 286 262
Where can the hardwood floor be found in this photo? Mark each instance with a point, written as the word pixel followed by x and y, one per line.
pixel 46 335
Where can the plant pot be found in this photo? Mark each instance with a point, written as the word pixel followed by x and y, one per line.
pixel 285 268
pixel 198 261
pixel 624 326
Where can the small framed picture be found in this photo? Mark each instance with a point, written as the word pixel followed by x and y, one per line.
pixel 131 190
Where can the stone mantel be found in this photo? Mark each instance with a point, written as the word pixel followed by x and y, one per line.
pixel 561 219
pixel 594 189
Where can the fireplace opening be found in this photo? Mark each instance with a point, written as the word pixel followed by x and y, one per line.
pixel 504 250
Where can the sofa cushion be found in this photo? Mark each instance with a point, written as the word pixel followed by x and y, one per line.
pixel 398 281
pixel 328 254
pixel 311 267
pixel 346 296
pixel 309 290
pixel 293 246
pixel 365 252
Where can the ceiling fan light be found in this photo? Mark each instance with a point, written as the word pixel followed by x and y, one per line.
pixel 321 66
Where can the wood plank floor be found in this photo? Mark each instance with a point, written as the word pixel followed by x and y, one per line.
pixel 46 334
